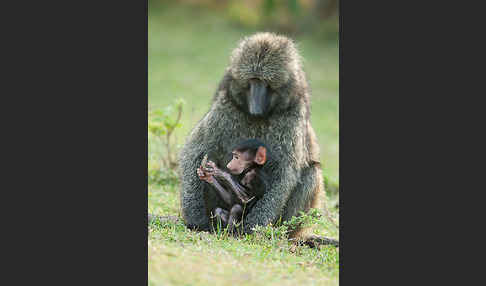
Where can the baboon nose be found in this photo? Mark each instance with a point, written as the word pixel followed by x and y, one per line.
pixel 257 100
pixel 255 110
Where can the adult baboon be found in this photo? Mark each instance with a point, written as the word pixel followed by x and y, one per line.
pixel 263 94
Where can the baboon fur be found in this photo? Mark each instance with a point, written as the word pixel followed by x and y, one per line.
pixel 293 169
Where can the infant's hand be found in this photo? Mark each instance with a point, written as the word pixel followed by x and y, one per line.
pixel 213 170
pixel 210 165
pixel 204 176
pixel 209 168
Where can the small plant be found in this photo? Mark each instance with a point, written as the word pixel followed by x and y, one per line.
pixel 281 230
pixel 271 232
pixel 162 125
pixel 312 217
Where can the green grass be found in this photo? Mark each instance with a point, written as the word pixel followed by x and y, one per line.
pixel 178 256
pixel 189 49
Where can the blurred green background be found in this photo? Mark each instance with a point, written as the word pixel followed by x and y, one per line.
pixel 190 43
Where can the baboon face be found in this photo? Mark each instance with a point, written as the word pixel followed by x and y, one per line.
pixel 256 97
pixel 239 162
pixel 248 153
pixel 263 67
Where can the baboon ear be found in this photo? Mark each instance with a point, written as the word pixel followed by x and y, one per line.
pixel 261 155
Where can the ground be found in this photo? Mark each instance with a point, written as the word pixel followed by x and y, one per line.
pixel 178 256
pixel 186 60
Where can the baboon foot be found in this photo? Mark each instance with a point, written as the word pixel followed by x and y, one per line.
pixel 315 241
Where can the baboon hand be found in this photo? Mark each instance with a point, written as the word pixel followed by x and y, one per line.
pixel 204 176
pixel 213 170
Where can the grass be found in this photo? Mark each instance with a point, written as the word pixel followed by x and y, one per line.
pixel 178 256
pixel 188 51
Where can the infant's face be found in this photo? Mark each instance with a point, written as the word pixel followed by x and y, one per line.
pixel 239 162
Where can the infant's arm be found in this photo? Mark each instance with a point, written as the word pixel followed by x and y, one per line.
pixel 229 182
pixel 248 178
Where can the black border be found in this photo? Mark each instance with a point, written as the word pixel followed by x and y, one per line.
pixel 79 143
pixel 404 86
pixel 77 177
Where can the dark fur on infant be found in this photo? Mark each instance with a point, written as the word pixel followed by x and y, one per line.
pixel 243 187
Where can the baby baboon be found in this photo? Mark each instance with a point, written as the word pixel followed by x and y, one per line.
pixel 263 94
pixel 242 192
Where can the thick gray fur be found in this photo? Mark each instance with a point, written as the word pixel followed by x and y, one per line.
pixel 293 169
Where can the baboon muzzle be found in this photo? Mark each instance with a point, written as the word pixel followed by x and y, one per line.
pixel 257 101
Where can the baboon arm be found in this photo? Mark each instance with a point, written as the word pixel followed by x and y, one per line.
pixel 269 208
pixel 224 194
pixel 234 186
pixel 192 188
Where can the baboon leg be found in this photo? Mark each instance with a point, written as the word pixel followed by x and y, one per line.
pixel 222 215
pixel 234 217
pixel 311 195
pixel 320 198
pixel 308 195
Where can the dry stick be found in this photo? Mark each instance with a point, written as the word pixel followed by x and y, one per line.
pixel 314 241
pixel 175 140
pixel 167 143
pixel 204 161
pixel 164 161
